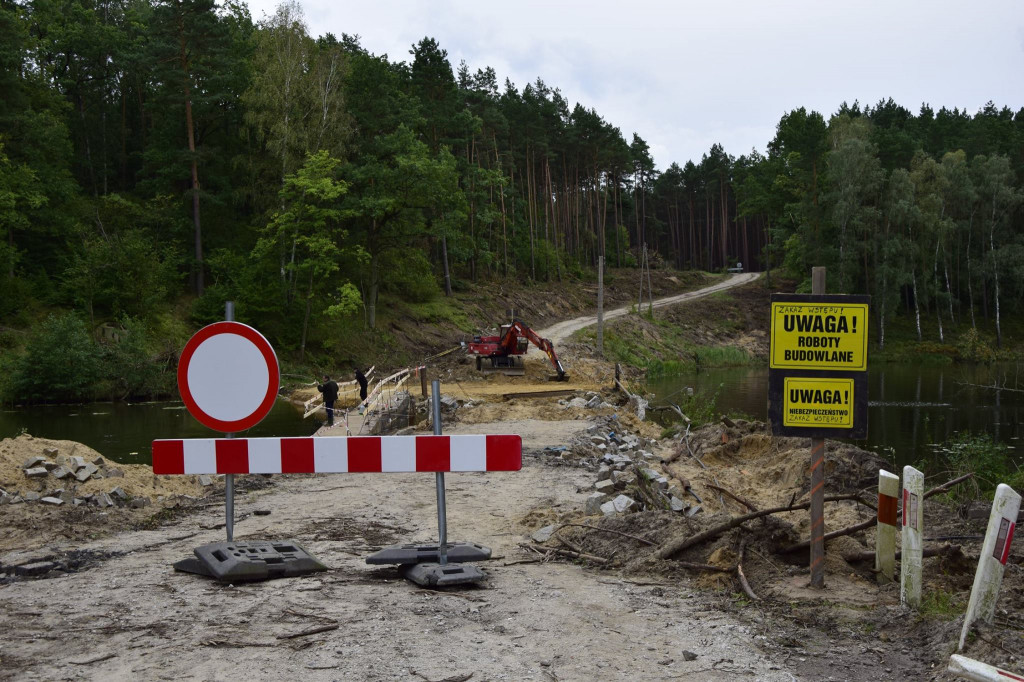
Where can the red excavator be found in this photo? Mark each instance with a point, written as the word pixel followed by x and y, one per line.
pixel 505 352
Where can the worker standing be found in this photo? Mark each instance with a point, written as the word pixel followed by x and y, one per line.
pixel 361 380
pixel 330 390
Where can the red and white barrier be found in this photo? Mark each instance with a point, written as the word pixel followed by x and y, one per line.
pixel 992 564
pixel 888 522
pixel 352 454
pixel 912 556
pixel 969 669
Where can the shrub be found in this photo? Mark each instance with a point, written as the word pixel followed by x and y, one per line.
pixel 61 362
pixel 972 347
pixel 409 274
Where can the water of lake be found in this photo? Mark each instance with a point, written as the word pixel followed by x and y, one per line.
pixel 912 409
pixel 125 433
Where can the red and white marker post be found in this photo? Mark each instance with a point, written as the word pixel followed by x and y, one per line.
pixel 913 537
pixel 888 522
pixel 992 564
pixel 228 377
pixel 970 669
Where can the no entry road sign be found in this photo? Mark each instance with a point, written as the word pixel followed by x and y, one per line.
pixel 228 376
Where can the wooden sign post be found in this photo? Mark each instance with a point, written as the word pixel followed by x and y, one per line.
pixel 817 383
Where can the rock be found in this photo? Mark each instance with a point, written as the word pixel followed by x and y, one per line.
pixel 139 502
pixel 103 500
pixel 605 487
pixel 48 465
pixel 693 511
pixel 60 472
pixel 621 479
pixel 205 480
pixel 37 568
pixel 50 452
pixel 17 499
pixel 99 461
pixel 602 446
pixel 594 402
pixel 624 503
pixel 689 656
pixel 35 472
pixel 113 472
pixel 608 509
pixel 31 496
pixel 77 502
pixel 604 472
pixel 86 472
pixel 593 504
pixel 77 463
pixel 33 462
pixel 544 534
pixel 52 500
pixel 597 438
pixel 578 402
pixel 676 505
pixel 119 494
pixel 661 482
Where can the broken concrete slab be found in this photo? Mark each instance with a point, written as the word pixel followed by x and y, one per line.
pixel 38 568
pixel 99 461
pixel 48 465
pixel 103 500
pixel 593 504
pixel 205 480
pixel 52 500
pixel 605 487
pixel 31 496
pixel 113 472
pixel 86 472
pixel 60 472
pixel 139 502
pixel 594 402
pixel 33 462
pixel 624 503
pixel 36 472
pixel 77 463
pixel 50 452
pixel 676 505
pixel 119 494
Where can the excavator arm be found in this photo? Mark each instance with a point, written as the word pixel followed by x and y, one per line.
pixel 518 328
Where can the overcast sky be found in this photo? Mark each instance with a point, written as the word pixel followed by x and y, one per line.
pixel 684 75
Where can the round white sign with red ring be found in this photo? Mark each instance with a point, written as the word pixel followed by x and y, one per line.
pixel 228 376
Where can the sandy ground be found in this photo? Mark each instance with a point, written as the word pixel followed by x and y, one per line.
pixel 530 621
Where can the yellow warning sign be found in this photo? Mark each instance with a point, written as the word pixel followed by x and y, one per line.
pixel 819 335
pixel 818 402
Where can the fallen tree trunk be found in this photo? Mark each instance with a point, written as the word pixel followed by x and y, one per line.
pixel 673 547
pixel 869 555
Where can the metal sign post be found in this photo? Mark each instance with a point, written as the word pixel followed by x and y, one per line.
pixel 229 479
pixel 442 513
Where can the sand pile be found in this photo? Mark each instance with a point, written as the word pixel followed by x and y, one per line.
pixel 136 480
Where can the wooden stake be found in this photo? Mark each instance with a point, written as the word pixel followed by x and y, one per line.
pixel 818 478
pixel 885 535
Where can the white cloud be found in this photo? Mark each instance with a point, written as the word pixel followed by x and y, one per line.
pixel 685 75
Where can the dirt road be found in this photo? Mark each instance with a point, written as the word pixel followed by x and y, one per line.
pixel 132 617
pixel 557 333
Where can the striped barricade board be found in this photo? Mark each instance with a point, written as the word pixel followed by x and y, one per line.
pixel 341 454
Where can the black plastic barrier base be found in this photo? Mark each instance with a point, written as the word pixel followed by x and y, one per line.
pixel 436 575
pixel 458 552
pixel 233 562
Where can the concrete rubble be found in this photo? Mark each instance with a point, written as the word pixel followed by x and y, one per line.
pixel 69 471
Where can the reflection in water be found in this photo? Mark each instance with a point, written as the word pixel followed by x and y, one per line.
pixel 124 433
pixel 911 411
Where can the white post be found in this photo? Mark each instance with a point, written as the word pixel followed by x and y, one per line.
pixel 888 522
pixel 969 669
pixel 913 532
pixel 994 553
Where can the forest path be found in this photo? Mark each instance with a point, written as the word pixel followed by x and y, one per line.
pixel 557 333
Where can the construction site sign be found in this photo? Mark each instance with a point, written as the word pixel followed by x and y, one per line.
pixel 818 359
pixel 819 332
pixel 826 403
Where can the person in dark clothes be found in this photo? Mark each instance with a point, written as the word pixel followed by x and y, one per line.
pixel 330 390
pixel 361 380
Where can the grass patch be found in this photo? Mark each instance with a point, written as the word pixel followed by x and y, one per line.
pixel 941 605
